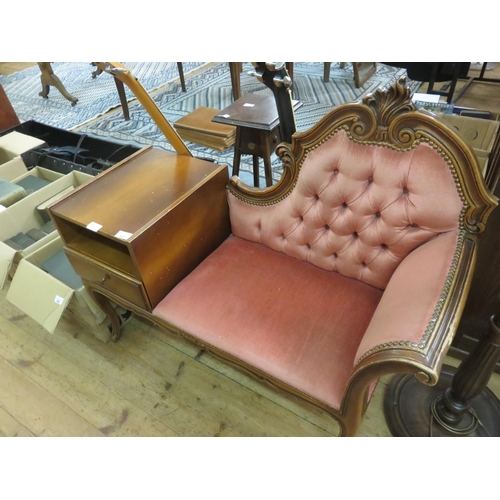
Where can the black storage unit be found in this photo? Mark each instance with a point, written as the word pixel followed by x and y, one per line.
pixel 65 151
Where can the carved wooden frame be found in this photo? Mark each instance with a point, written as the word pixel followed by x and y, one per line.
pixel 386 118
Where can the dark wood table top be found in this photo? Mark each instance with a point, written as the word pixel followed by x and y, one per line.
pixel 252 110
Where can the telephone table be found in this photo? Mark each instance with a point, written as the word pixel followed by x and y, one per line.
pixel 126 232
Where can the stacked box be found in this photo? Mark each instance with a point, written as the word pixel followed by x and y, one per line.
pixel 199 128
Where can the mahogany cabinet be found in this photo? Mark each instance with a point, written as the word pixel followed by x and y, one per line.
pixel 140 227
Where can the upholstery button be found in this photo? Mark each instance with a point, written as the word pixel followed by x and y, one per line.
pixel 412 225
pixel 344 205
pixel 326 227
pixel 308 246
pixel 370 179
pixel 316 196
pixel 355 234
pixel 336 171
pixel 405 191
pixel 383 246
pixel 335 255
pixel 363 264
pixel 377 215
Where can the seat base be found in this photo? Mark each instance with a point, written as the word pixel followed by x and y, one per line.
pixel 408 402
pixel 287 318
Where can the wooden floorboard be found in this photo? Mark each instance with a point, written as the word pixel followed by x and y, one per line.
pixel 35 408
pixel 7 68
pixel 143 385
pixel 148 384
pixel 88 396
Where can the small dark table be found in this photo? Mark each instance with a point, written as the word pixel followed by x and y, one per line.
pixel 257 131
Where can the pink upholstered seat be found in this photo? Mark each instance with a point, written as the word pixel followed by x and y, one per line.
pixel 284 316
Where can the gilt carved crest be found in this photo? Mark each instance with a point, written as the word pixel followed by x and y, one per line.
pixel 387 104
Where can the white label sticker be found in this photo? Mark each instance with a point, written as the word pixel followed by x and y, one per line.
pixel 93 226
pixel 225 116
pixel 59 300
pixel 249 105
pixel 123 235
pixel 2 208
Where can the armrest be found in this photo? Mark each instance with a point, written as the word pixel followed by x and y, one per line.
pixel 406 317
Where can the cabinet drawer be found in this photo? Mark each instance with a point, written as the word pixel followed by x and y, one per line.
pixel 124 286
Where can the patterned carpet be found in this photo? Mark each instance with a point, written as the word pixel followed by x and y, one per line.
pixel 212 88
pixel 95 96
pixel 208 84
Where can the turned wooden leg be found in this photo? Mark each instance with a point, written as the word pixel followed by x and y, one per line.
pixel 470 380
pixel 460 404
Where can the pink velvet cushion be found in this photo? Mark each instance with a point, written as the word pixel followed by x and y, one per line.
pixel 288 318
pixel 411 297
pixel 357 209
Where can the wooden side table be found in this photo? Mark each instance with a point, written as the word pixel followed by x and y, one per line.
pixel 257 131
pixel 133 232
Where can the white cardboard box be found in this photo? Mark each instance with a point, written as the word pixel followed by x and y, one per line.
pixel 12 169
pixel 12 145
pixel 44 298
pixel 478 133
pixel 24 215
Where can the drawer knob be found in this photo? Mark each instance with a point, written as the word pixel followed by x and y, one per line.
pixel 104 278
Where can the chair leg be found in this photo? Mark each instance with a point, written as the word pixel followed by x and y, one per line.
pixel 235 69
pixel 181 76
pixel 326 71
pixel 49 79
pixel 123 98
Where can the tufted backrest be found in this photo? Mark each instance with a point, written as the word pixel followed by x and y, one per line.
pixel 357 209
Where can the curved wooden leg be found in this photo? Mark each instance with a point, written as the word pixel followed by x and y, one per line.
pixel 110 312
pixel 49 79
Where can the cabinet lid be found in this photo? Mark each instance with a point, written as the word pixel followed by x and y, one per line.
pixel 126 198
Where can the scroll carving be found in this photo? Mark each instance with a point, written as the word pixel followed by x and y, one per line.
pixel 387 105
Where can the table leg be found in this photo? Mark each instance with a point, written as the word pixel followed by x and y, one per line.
pixel 268 170
pixel 255 160
pixel 237 152
pixel 235 70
